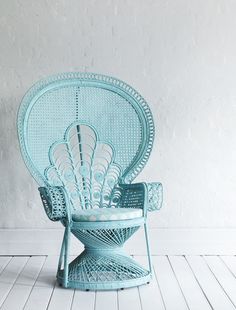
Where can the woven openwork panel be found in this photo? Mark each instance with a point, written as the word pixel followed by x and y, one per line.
pixel 85 167
pixel 105 238
pixel 119 114
pixel 112 267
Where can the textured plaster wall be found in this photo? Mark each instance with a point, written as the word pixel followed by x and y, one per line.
pixel 180 54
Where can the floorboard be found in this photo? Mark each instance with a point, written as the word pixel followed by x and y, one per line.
pixel 83 300
pixel 211 287
pixel 106 300
pixel 191 289
pixel 44 286
pixel 61 299
pixel 179 283
pixel 230 262
pixel 129 297
pixel 9 276
pixel 150 294
pixel 224 277
pixel 24 284
pixel 171 291
pixel 4 260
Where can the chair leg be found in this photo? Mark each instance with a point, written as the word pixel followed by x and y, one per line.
pixel 66 254
pixel 61 253
pixel 148 248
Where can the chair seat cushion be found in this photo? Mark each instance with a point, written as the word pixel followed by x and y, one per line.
pixel 106 214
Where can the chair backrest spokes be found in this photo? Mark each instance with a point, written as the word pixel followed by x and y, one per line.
pixel 85 166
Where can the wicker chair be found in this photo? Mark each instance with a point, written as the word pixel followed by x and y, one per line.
pixel 85 137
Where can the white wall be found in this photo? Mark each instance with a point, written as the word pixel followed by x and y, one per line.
pixel 179 54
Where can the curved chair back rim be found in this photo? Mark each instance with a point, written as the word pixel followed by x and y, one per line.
pixel 93 80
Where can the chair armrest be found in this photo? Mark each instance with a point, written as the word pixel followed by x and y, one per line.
pixel 146 196
pixel 55 202
pixel 132 195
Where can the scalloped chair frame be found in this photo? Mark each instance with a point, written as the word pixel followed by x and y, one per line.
pixel 51 108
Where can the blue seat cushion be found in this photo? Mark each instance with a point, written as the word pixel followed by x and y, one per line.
pixel 106 214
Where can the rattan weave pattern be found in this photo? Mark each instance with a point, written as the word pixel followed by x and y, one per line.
pixel 58 95
pixel 107 267
pixel 53 199
pixel 104 238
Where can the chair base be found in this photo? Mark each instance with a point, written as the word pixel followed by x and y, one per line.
pixel 104 269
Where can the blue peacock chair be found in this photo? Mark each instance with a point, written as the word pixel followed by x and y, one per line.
pixel 85 137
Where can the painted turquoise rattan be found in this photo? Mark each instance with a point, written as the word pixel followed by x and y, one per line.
pixel 85 137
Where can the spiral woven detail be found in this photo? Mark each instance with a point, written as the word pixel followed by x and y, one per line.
pixel 155 196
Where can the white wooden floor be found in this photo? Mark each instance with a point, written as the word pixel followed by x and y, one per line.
pixel 181 282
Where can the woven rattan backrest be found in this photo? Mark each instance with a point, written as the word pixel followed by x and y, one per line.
pixel 120 115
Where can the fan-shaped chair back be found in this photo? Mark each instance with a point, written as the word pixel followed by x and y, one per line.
pixel 92 121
